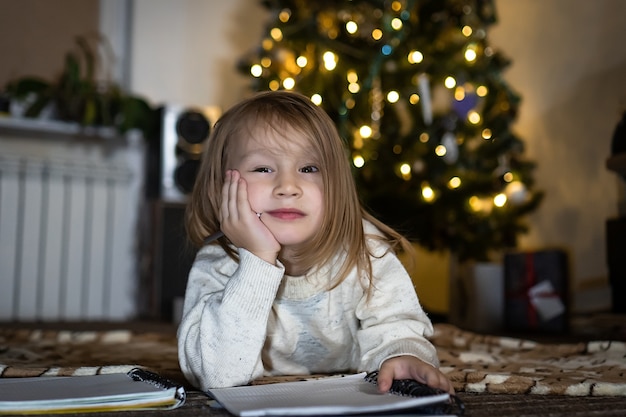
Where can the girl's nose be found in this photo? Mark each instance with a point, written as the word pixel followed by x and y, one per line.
pixel 287 185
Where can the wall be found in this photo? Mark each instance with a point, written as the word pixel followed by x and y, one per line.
pixel 36 34
pixel 185 51
pixel 569 65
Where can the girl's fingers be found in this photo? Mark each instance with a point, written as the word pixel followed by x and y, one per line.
pixel 243 205
pixel 232 196
pixel 225 193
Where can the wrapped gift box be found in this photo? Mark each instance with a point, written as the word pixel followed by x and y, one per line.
pixel 536 291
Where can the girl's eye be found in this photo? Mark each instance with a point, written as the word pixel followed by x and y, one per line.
pixel 262 169
pixel 310 169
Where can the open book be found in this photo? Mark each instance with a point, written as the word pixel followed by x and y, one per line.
pixel 351 394
pixel 139 389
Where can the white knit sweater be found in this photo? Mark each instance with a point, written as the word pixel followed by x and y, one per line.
pixel 248 319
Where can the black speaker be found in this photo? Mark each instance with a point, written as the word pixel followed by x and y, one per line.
pixel 172 259
pixel 616 248
pixel 184 134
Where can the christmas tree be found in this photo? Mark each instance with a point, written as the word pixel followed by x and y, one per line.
pixel 418 95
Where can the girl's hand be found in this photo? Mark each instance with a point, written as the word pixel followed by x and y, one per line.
pixel 242 225
pixel 409 367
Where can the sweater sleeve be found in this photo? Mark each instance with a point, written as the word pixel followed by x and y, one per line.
pixel 225 316
pixel 392 321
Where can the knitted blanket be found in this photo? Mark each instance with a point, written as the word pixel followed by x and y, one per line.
pixel 473 362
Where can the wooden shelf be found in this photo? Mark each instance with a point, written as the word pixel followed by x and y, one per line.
pixel 617 163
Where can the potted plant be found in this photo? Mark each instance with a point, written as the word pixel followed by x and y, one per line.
pixel 78 96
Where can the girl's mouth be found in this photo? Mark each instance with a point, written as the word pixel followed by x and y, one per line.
pixel 286 214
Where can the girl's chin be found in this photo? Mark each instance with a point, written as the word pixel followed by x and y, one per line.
pixel 291 240
pixel 291 243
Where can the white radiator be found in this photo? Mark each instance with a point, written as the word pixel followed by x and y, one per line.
pixel 68 214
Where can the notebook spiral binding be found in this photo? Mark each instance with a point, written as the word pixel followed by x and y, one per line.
pixel 143 375
pixel 412 388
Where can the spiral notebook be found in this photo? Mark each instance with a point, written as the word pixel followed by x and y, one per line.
pixel 340 395
pixel 136 390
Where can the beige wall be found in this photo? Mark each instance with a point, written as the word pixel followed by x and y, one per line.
pixel 569 65
pixel 36 34
pixel 185 51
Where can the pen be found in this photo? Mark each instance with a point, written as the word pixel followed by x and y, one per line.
pixel 213 237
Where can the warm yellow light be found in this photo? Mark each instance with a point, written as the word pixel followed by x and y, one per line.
pixel 455 182
pixel 377 34
pixel 267 44
pixel 276 34
pixel 397 149
pixel 396 23
pixel 352 76
pixel 427 193
pixel 289 83
pixel 499 200
pixel 440 150
pixel 467 31
pixel 284 15
pixel 358 161
pixel 274 85
pixel 508 176
pixel 405 169
pixel 482 91
pixel 424 137
pixel 316 99
pixel 266 62
pixel 486 134
pixel 482 205
pixel 475 203
pixel 459 93
pixel 365 131
pixel 354 88
pixel 301 61
pixel 351 27
pixel 470 55
pixel 415 57
pixel 450 82
pixel 473 117
pixel 330 60
pixel 414 98
pixel 393 96
pixel 256 70
pixel 396 6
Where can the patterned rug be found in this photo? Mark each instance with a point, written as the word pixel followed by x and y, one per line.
pixel 475 363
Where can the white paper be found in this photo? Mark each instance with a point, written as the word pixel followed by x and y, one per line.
pixel 547 303
pixel 338 395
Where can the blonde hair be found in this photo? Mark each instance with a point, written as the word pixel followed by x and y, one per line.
pixel 342 226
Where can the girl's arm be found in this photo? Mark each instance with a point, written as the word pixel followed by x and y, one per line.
pixel 224 322
pixel 392 321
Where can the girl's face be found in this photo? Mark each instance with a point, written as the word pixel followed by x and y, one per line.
pixel 284 182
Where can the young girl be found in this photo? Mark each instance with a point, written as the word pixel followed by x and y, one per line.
pixel 303 280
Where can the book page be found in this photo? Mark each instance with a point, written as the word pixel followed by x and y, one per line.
pixel 81 393
pixel 336 395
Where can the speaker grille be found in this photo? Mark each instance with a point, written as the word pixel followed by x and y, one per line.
pixel 185 130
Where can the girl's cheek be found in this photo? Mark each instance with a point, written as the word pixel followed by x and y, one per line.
pixel 255 197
